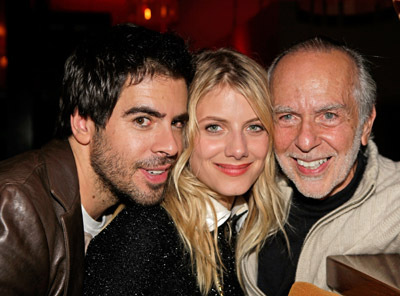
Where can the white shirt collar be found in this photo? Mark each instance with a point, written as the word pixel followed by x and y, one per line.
pixel 92 226
pixel 224 214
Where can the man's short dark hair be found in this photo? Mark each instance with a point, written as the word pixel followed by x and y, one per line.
pixel 95 73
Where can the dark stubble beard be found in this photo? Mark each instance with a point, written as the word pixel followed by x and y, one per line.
pixel 115 174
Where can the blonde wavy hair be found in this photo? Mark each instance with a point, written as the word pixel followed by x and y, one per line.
pixel 187 197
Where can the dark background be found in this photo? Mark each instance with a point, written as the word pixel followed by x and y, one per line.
pixel 36 36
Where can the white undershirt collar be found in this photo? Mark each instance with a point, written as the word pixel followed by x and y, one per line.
pixel 92 226
pixel 224 214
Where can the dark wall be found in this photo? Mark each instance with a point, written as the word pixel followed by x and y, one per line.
pixel 375 35
pixel 38 43
pixel 40 40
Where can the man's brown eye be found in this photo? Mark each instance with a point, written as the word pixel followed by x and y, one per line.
pixel 179 123
pixel 142 121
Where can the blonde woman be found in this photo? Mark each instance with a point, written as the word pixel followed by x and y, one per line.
pixel 225 201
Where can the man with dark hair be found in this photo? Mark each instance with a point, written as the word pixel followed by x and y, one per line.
pixel 123 108
pixel 343 197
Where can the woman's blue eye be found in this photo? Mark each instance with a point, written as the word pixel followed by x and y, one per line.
pixel 256 128
pixel 213 128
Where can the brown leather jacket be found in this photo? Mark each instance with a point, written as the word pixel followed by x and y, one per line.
pixel 41 228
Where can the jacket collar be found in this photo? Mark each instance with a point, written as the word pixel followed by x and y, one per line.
pixel 62 172
pixel 368 181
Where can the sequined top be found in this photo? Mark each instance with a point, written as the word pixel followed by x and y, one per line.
pixel 139 253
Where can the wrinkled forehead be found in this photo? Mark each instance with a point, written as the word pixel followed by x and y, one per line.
pixel 314 61
pixel 314 75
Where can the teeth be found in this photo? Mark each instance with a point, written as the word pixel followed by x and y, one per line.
pixel 313 164
pixel 156 172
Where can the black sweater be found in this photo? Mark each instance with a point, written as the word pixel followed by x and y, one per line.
pixel 141 253
pixel 276 267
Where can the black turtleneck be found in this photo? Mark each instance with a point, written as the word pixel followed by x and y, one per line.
pixel 276 267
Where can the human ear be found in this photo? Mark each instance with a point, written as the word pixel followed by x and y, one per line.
pixel 367 128
pixel 83 128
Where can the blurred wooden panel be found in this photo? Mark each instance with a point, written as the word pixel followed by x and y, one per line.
pixel 373 275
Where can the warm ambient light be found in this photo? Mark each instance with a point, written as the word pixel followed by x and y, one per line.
pixel 147 13
pixel 163 11
pixel 2 30
pixel 3 62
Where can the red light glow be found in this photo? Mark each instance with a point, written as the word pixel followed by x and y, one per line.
pixel 3 62
pixel 163 11
pixel 2 30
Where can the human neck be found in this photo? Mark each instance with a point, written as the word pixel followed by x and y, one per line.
pixel 95 197
pixel 227 201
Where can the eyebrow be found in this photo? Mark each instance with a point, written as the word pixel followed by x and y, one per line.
pixel 182 117
pixel 331 107
pixel 146 110
pixel 286 109
pixel 282 109
pixel 215 118
pixel 252 120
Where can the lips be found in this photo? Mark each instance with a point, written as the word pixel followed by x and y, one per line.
pixel 156 175
pixel 312 167
pixel 233 170
pixel 312 164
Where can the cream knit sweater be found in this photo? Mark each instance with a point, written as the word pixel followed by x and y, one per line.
pixel 369 223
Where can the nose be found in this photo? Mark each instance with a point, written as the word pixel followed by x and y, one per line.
pixel 168 142
pixel 307 138
pixel 236 146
